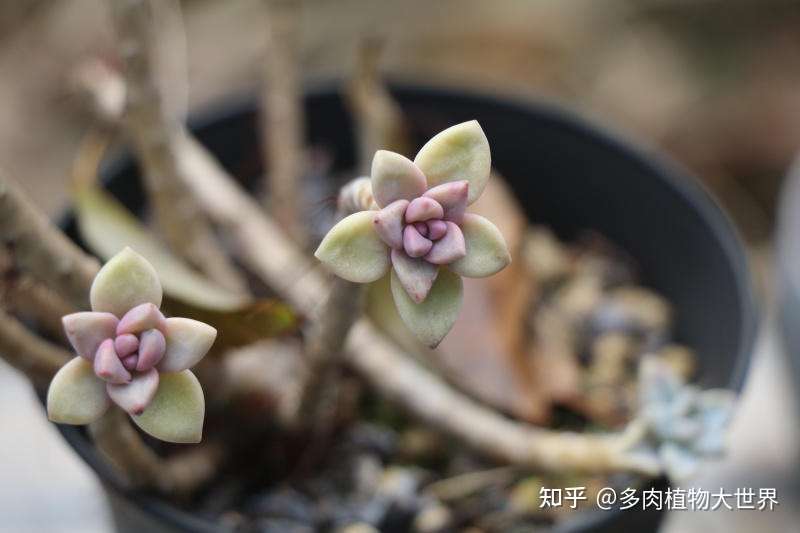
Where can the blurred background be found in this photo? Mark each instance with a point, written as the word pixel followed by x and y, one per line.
pixel 713 83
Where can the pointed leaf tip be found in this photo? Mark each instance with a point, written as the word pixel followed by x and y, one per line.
pixel 124 282
pixel 177 410
pixel 76 395
pixel 432 319
pixel 486 249
pixel 415 274
pixel 353 250
pixel 395 177
pixel 187 342
pixel 460 152
pixel 87 329
pixel 134 397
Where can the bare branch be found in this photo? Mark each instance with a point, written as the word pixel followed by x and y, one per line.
pixel 282 118
pixel 380 122
pixel 38 359
pixel 384 365
pixel 140 466
pixel 39 249
pixel 183 225
pixel 270 254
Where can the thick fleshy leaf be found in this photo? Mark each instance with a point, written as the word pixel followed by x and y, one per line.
pixel 436 229
pixel 460 152
pixel 76 395
pixel 130 362
pixel 432 319
pixel 135 396
pixel 126 344
pixel 177 410
pixel 395 177
pixel 108 227
pixel 353 250
pixel 87 329
pixel 422 228
pixel 449 248
pixel 389 223
pixel 153 347
pixel 452 197
pixel 140 318
pixel 108 366
pixel 124 282
pixel 414 244
pixel 487 253
pixel 422 209
pixel 188 341
pixel 416 275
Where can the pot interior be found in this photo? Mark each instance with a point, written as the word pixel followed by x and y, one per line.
pixel 566 175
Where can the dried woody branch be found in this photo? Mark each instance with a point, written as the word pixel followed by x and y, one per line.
pixel 265 249
pixel 152 132
pixel 379 118
pixel 37 249
pixel 388 369
pixel 283 133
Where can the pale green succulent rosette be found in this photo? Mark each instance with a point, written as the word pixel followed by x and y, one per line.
pixel 130 355
pixel 421 232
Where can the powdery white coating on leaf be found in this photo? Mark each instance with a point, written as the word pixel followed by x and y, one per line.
pixel 395 177
pixel 135 396
pixel 124 282
pixel 487 252
pixel 460 152
pixel 432 319
pixel 76 395
pixel 188 341
pixel 353 250
pixel 177 411
pixel 415 275
pixel 87 329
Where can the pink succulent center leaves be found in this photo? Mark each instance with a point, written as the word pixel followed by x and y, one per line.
pixel 426 230
pixel 132 350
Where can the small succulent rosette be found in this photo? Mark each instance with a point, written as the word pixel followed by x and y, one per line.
pixel 130 355
pixel 418 229
pixel 684 423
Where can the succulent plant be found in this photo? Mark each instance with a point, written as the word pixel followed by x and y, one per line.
pixel 130 355
pixel 418 229
pixel 684 424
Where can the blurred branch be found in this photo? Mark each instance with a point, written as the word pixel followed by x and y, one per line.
pixel 266 250
pixel 380 122
pixel 39 249
pixel 388 369
pixel 35 357
pixel 142 467
pixel 282 117
pixel 31 300
pixel 183 225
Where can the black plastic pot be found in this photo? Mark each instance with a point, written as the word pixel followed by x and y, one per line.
pixel 568 174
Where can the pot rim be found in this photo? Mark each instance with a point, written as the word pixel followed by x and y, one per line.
pixel 559 116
